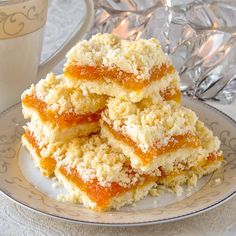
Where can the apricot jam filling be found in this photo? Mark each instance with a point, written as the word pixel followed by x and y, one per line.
pixel 47 163
pixel 61 120
pixel 97 193
pixel 211 158
pixel 127 80
pixel 186 140
pixel 173 94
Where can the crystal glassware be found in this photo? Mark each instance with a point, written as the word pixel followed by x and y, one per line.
pixel 199 36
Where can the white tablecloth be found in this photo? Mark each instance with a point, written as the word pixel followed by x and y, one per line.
pixel 17 220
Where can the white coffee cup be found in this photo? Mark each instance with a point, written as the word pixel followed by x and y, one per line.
pixel 21 34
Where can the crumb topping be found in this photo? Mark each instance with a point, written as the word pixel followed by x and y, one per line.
pixel 93 158
pixel 137 57
pixel 209 142
pixel 149 125
pixel 61 97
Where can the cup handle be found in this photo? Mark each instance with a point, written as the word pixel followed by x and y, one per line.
pixel 58 55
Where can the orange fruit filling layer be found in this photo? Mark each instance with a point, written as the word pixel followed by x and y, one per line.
pixel 47 163
pixel 61 120
pixel 173 94
pixel 127 80
pixel 177 141
pixel 97 193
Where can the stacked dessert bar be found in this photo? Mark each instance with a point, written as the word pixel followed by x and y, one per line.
pixel 57 113
pixel 112 129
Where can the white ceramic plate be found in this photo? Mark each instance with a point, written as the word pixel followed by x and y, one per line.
pixel 22 182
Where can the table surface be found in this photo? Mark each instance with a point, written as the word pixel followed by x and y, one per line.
pixel 17 220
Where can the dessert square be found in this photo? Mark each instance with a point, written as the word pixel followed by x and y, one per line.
pixel 100 177
pixel 129 70
pixel 158 135
pixel 59 111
